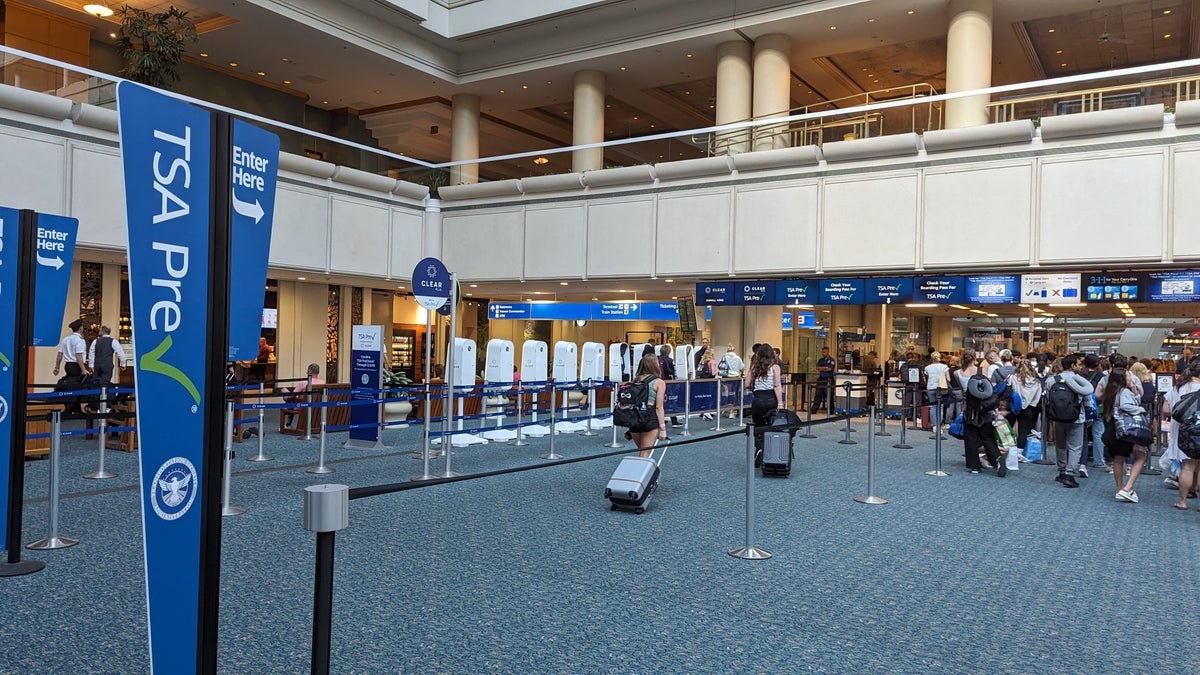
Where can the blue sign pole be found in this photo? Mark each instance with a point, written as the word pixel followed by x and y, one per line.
pixel 177 175
pixel 16 309
pixel 255 169
pixel 55 253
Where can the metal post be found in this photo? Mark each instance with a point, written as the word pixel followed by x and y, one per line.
pixel 320 467
pixel 870 497
pixel 749 551
pixel 307 410
pixel 807 414
pixel 52 540
pixel 1045 424
pixel 903 444
pixel 687 408
pixel 228 509
pixel 520 439
pixel 913 408
pixel 881 394
pixel 260 457
pixel 102 430
pixel 718 383
pixel 847 440
pixel 591 409
pixel 742 405
pixel 447 431
pixel 612 408
pixel 937 440
pixel 1153 415
pixel 553 396
pixel 326 510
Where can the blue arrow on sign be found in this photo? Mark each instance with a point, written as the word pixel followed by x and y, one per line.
pixel 255 168
pixel 55 253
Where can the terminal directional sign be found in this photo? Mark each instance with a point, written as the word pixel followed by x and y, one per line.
pixel 255 167
pixel 55 253
pixel 431 283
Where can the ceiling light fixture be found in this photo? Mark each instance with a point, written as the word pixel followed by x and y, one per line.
pixel 101 9
pixel 233 64
pixel 1050 31
pixel 541 160
pixel 564 283
pixel 911 12
pixel 301 278
pixel 918 305
pixel 287 81
pixel 204 54
pixel 1167 36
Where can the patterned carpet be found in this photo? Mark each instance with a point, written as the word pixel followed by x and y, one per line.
pixel 531 572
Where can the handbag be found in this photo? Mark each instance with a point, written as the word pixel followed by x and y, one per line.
pixel 956 428
pixel 1016 405
pixel 1002 430
pixel 1133 428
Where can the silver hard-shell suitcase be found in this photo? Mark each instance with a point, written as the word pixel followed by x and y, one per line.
pixel 635 479
pixel 777 454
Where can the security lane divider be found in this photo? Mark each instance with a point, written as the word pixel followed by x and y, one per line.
pixel 102 435
pixel 53 540
pixel 227 507
pixel 937 440
pixel 321 468
pixel 870 497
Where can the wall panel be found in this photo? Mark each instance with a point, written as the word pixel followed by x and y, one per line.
pixel 300 233
pixel 965 202
pixel 97 174
pixel 405 241
pixel 870 222
pixel 775 228
pixel 359 241
pixel 1100 207
pixel 31 173
pixel 693 232
pixel 484 244
pixel 619 237
pixel 555 241
pixel 1186 207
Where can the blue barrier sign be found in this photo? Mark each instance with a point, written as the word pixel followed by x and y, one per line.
pixel 756 293
pixel 9 224
pixel 714 294
pixel 940 290
pixel 165 150
pixel 366 365
pixel 890 291
pixel 431 283
pixel 55 253
pixel 796 292
pixel 841 291
pixel 255 168
pixel 997 289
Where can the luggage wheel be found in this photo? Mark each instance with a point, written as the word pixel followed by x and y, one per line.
pixel 639 510
pixel 613 507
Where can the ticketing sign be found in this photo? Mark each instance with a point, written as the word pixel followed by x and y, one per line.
pixel 659 311
pixel 996 289
pixel 940 290
pixel 841 291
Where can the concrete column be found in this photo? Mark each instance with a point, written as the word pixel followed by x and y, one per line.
pixel 431 235
pixel 589 120
pixel 772 87
pixel 464 138
pixel 942 338
pixel 734 82
pixel 968 61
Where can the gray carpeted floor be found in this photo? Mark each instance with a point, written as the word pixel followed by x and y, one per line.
pixel 531 572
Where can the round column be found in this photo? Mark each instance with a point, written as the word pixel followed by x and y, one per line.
pixel 589 120
pixel 734 80
pixel 968 61
pixel 772 85
pixel 464 138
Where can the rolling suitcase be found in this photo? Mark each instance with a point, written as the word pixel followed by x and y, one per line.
pixel 777 454
pixel 635 479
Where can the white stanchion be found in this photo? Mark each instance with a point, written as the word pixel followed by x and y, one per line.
pixel 228 509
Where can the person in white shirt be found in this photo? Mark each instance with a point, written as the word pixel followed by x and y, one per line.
pixel 73 349
pixel 934 372
pixel 101 353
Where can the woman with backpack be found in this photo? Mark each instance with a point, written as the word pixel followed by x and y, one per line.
pixel 1026 384
pixel 1122 396
pixel 981 403
pixel 1189 475
pixel 654 427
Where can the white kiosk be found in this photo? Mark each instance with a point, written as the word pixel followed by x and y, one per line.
pixel 498 370
pixel 463 375
pixel 635 356
pixel 685 369
pixel 591 369
pixel 618 361
pixel 534 365
pixel 566 374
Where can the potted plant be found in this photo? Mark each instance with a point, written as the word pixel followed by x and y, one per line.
pixel 152 44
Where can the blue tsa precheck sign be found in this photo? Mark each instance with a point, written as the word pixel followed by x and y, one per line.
pixel 255 168
pixel 431 283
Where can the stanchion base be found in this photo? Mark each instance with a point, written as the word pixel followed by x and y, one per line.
pixel 259 458
pixel 883 433
pixel 551 455
pixel 870 499
pixel 902 446
pixel 806 435
pixel 319 469
pixel 750 553
pixel 935 472
pixel 847 441
pixel 232 511
pixel 448 474
pixel 95 475
pixel 1044 462
pixel 588 433
pixel 613 445
pixel 21 568
pixel 518 444
pixel 49 543
pixel 433 454
pixel 421 477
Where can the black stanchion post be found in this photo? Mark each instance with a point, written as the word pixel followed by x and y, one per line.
pixel 326 510
pixel 847 440
pixel 807 415
pixel 937 438
pixel 903 444
pixel 881 397
pixel 1045 424
pixel 1153 415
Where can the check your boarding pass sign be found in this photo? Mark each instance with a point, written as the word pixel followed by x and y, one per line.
pixel 166 152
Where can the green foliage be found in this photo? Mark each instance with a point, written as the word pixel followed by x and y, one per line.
pixel 152 44
pixel 395 378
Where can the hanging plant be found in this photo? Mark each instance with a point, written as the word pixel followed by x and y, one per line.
pixel 152 44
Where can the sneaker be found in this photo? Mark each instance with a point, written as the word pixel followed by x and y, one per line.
pixel 1126 496
pixel 1133 496
pixel 1069 481
pixel 1171 482
pixel 1100 465
pixel 1001 469
pixel 1083 471
pixel 973 470
pixel 1059 478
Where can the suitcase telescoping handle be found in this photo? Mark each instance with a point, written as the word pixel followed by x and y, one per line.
pixel 666 442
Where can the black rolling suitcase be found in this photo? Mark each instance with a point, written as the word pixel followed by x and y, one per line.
pixel 778 447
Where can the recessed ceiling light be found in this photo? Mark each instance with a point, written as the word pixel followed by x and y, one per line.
pixel 100 10
pixel 833 28
pixel 689 56
pixel 1063 65
pixel 622 67
pixel 1058 52
pixel 325 102
pixel 635 118
pixel 301 278
pixel 114 36
pixel 233 64
pixel 400 287
pixel 378 91
pixel 564 283
pixel 524 86
pixel 1050 31
pixel 474 285
pixel 594 299
pixel 287 81
pixel 669 281
pixel 1166 36
pixel 1166 11
pixel 260 73
pixel 651 126
pixel 870 20
pixel 548 82
pixel 501 91
pixel 912 11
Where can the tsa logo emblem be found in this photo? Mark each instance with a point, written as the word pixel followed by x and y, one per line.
pixel 174 488
pixel 3 408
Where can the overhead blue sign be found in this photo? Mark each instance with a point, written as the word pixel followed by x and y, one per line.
pixel 796 292
pixel 255 167
pixel 9 248
pixel 756 293
pixel 1179 286
pixel 616 311
pixel 165 150
pixel 940 290
pixel 787 320
pixel 890 291
pixel 562 311
pixel 997 289
pixel 841 291
pixel 55 253
pixel 714 294
pixel 1126 287
pixel 431 283
pixel 806 319
pixel 508 310
pixel 659 311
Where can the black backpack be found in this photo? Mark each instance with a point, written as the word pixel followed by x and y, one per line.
pixel 632 409
pixel 1186 414
pixel 979 410
pixel 1062 403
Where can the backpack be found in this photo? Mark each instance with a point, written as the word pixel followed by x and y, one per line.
pixel 723 368
pixel 632 409
pixel 703 369
pixel 1186 415
pixel 979 410
pixel 1062 403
